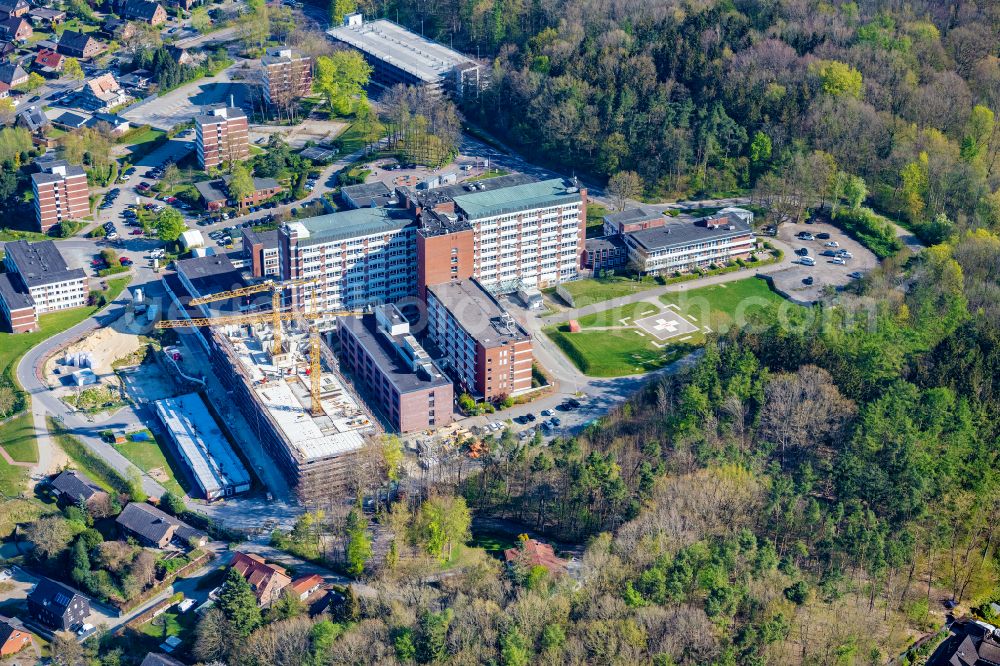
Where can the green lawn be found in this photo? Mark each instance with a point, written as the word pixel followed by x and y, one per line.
pixel 595 290
pixel 14 345
pixel 17 438
pixel 13 480
pixel 351 139
pixel 150 455
pixel 744 301
pixel 141 135
pixel 85 460
pixel 19 234
pixel 625 351
pixel 595 220
pixel 170 624
pixel 492 173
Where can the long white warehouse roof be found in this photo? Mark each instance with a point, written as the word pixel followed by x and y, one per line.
pixel 394 44
pixel 202 444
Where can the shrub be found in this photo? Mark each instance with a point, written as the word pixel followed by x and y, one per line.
pixel 870 229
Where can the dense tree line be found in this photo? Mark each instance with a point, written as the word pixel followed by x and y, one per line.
pixel 686 94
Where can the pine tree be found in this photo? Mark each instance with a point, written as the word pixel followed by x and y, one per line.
pixel 238 604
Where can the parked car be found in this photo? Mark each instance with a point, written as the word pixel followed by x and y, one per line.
pixel 840 261
pixel 547 412
pixel 828 253
pixel 856 275
pixel 125 261
pixel 802 251
pixel 136 232
pixel 845 254
pixel 805 235
pixel 807 261
pixel 831 244
pixel 823 236
pixel 808 280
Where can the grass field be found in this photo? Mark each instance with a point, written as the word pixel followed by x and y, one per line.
pixel 596 290
pixel 595 220
pixel 86 461
pixel 13 480
pixel 140 136
pixel 151 455
pixel 601 351
pixel 18 439
pixel 14 345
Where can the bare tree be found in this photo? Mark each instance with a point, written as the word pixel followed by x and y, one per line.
pixel 623 186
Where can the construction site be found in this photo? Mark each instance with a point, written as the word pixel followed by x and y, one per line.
pixel 277 367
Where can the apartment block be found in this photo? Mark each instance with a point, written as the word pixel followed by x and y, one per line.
pixel 361 258
pixel 262 252
pixel 683 244
pixel 394 371
pixel 61 193
pixel 508 232
pixel 221 136
pixel 487 352
pixel 37 277
pixel 286 75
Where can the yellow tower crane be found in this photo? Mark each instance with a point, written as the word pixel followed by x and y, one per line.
pixel 315 357
pixel 270 285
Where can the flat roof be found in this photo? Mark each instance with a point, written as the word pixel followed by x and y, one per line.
pixel 539 194
pixel 269 239
pixel 220 114
pixel 676 234
pixel 41 263
pixel 418 56
pixel 366 190
pixel 604 243
pixel 479 313
pixel 286 398
pixel 632 215
pixel 354 223
pixel 387 357
pixel 211 274
pixel 203 446
pixel 280 54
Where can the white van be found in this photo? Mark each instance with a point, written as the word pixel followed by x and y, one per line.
pixel 807 261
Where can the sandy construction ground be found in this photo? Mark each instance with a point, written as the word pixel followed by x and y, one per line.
pixel 318 131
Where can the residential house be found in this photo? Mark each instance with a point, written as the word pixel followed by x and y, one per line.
pixel 215 193
pixel 160 659
pixel 102 94
pixel 971 643
pixel 536 554
pixel 113 123
pixel 13 636
pixel 4 90
pixel 33 119
pixel 73 487
pixel 70 121
pixel 79 45
pixel 57 606
pixel 16 29
pixel 13 8
pixel 139 79
pixel 46 17
pixel 119 30
pixel 266 580
pixel 304 587
pixel 186 5
pixel 143 11
pixel 154 527
pixel 48 62
pixel 180 56
pixel 13 74
pixel 7 48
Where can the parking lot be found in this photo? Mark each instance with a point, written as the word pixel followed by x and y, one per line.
pixel 183 104
pixel 793 282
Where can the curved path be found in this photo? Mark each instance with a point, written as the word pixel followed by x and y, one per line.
pixel 44 403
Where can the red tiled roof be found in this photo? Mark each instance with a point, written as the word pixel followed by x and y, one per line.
pixel 536 553
pixel 306 583
pixel 48 58
pixel 264 578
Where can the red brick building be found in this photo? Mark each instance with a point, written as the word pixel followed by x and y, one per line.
pixel 222 136
pixel 287 75
pixel 61 193
pixel 487 352
pixel 215 193
pixel 391 367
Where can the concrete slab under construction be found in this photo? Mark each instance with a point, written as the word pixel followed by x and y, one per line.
pixel 273 392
